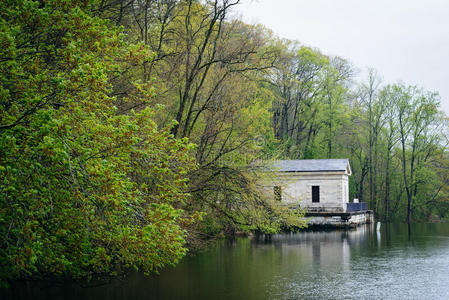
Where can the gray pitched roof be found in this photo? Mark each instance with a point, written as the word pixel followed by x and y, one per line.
pixel 310 165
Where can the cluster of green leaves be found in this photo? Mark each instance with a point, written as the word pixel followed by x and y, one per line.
pixel 207 73
pixel 84 189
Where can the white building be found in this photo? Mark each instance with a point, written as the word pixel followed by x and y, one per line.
pixel 319 184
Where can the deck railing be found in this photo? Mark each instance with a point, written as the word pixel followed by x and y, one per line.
pixel 356 206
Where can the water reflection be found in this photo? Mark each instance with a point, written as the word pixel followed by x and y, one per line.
pixel 314 247
pixel 399 262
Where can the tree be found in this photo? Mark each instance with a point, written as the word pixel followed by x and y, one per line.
pixel 296 80
pixel 375 110
pixel 417 117
pixel 85 191
pixel 392 138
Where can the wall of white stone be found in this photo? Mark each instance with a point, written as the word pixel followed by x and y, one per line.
pixel 297 189
pixel 338 221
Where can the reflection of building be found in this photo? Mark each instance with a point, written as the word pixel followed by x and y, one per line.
pixel 318 247
pixel 320 185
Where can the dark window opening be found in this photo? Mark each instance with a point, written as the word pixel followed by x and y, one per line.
pixel 277 193
pixel 315 193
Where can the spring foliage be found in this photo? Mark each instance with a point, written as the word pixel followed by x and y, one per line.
pixel 127 127
pixel 85 189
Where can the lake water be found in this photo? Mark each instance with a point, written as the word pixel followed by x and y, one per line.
pixel 396 263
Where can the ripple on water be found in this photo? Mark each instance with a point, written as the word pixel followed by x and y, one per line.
pixel 411 272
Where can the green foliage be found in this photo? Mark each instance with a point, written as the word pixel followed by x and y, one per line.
pixel 96 179
pixel 84 190
pixel 392 135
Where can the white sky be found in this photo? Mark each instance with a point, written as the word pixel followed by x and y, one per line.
pixel 405 40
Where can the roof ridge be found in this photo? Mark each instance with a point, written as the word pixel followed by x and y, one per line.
pixel 310 165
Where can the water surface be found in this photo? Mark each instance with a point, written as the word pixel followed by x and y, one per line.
pixel 396 263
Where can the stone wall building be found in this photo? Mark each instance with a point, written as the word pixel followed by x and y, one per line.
pixel 321 185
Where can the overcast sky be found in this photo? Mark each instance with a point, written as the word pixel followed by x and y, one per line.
pixel 404 40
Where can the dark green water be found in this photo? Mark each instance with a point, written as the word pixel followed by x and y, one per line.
pixel 395 263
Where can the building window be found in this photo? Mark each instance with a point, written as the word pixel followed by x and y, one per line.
pixel 316 193
pixel 277 193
